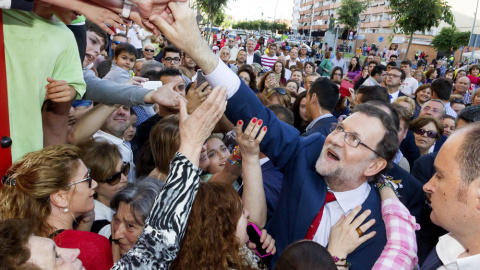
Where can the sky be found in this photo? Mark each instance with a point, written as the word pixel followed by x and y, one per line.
pixel 252 9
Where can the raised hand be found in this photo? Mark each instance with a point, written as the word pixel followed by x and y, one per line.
pixel 195 128
pixel 248 141
pixel 59 91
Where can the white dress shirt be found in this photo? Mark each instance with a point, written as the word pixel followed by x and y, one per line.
pixel 448 250
pixel 104 212
pixel 394 96
pixel 250 58
pixel 333 211
pixel 125 151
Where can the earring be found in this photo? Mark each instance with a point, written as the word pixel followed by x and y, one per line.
pixel 65 210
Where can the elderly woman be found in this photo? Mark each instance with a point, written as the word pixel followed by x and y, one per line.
pixel 54 188
pixel 106 165
pixel 422 95
pixel 427 131
pixel 132 206
pixel 407 103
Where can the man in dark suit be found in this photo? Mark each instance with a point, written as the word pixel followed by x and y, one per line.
pixel 394 80
pixel 341 164
pixel 252 57
pixel 320 103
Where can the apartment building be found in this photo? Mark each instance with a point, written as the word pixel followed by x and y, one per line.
pixel 375 27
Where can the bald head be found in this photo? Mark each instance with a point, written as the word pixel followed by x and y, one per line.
pixel 461 86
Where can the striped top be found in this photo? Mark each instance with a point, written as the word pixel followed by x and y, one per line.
pixel 267 62
pixel 164 228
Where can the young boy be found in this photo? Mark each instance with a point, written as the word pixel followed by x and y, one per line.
pixel 123 62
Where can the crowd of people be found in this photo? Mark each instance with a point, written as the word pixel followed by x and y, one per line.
pixel 144 146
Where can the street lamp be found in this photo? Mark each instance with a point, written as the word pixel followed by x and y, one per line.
pixel 311 23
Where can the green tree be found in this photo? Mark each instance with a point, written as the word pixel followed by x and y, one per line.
pixel 419 15
pixel 349 12
pixel 212 8
pixel 450 39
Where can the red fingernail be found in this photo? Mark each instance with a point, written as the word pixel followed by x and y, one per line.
pixel 254 120
pixel 264 128
pixel 260 122
pixel 240 122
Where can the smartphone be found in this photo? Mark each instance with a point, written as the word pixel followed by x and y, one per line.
pixel 254 234
pixel 152 85
pixel 200 78
pixel 344 92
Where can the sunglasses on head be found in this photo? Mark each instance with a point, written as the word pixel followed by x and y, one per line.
pixel 118 42
pixel 430 134
pixel 280 90
pixel 149 50
pixel 457 100
pixel 115 178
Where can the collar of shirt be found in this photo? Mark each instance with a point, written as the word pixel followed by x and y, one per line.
pixel 109 137
pixel 352 198
pixel 317 119
pixel 397 157
pixel 371 81
pixel 448 250
pixel 394 96
pixel 264 160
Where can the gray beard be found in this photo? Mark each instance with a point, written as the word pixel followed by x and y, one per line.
pixel 341 178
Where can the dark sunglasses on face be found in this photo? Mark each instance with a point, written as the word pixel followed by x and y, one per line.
pixel 115 178
pixel 149 50
pixel 430 134
pixel 118 42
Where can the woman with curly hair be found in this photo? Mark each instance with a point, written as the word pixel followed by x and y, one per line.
pixel 219 219
pixel 248 76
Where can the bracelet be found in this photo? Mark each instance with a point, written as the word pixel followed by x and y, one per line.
pixel 237 157
pixel 386 181
pixel 336 260
pixel 238 162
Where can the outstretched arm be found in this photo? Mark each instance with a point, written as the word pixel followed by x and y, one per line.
pixel 165 227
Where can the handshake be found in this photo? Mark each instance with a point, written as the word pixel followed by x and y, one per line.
pixel 107 13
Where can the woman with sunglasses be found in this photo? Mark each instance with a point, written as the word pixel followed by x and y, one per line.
pixel 106 165
pixel 427 131
pixel 278 95
pixel 54 188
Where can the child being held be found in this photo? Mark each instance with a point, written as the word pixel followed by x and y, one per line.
pixel 124 59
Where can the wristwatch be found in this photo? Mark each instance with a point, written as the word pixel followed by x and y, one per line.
pixel 127 6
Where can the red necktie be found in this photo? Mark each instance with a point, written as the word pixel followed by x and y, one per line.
pixel 316 222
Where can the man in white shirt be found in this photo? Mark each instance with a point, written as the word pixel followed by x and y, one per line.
pixel 134 36
pixel 442 90
pixel 410 84
pixel 454 192
pixel 339 62
pixel 233 49
pixel 393 82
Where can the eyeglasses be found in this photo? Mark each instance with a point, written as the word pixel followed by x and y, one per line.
pixel 176 60
pixel 246 79
pixel 115 178
pixel 280 90
pixel 89 179
pixel 118 42
pixel 430 134
pixel 350 138
pixel 337 74
pixel 394 75
pixel 149 50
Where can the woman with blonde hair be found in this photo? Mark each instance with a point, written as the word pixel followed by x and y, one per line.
pixel 278 95
pixel 54 188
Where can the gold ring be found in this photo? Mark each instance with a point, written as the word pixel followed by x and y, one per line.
pixel 359 231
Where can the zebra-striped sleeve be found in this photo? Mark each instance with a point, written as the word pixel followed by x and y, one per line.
pixel 159 243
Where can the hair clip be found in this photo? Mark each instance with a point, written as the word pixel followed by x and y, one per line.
pixel 6 180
